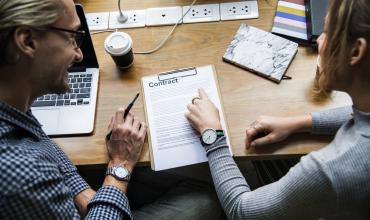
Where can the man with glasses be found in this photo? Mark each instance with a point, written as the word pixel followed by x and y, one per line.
pixel 39 41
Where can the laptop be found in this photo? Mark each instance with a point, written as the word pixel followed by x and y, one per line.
pixel 73 113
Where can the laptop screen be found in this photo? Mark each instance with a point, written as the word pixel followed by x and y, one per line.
pixel 87 48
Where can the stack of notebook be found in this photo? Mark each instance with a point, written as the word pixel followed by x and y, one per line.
pixel 290 21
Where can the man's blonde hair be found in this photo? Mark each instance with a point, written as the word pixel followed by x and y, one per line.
pixel 32 13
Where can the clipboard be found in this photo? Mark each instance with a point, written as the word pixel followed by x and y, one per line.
pixel 163 79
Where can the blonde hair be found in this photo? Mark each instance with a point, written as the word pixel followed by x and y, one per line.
pixel 31 13
pixel 347 21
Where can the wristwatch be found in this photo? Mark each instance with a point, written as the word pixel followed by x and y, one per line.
pixel 119 172
pixel 210 136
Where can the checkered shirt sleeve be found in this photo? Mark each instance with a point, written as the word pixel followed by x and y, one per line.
pixel 109 203
pixel 38 181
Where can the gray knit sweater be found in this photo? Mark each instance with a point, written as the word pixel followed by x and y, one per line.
pixel 332 183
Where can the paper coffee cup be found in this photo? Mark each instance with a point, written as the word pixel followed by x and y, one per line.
pixel 119 46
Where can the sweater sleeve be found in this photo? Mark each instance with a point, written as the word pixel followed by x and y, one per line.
pixel 329 121
pixel 305 191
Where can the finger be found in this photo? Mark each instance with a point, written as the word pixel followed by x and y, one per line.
pixel 129 119
pixel 119 115
pixel 202 94
pixel 253 132
pixel 136 124
pixel 196 101
pixel 110 126
pixel 268 139
pixel 193 120
pixel 142 131
pixel 192 109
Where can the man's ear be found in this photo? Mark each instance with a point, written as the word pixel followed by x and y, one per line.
pixel 359 51
pixel 24 39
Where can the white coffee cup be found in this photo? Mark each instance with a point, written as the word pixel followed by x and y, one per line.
pixel 119 46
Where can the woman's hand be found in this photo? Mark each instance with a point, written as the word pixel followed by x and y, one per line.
pixel 267 130
pixel 203 113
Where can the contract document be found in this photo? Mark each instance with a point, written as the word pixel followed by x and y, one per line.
pixel 173 142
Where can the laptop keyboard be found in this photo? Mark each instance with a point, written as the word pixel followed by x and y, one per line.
pixel 79 94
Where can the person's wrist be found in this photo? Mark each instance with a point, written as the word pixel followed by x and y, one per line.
pixel 214 127
pixel 111 181
pixel 118 162
pixel 303 123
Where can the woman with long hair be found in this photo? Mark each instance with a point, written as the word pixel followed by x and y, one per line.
pixel 332 183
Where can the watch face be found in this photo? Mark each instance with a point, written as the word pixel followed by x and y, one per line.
pixel 209 136
pixel 120 172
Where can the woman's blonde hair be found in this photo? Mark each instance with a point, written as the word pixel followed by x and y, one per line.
pixel 347 21
pixel 31 13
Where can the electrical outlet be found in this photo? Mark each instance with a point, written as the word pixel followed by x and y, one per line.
pixel 201 13
pixel 136 18
pixel 97 21
pixel 163 16
pixel 239 10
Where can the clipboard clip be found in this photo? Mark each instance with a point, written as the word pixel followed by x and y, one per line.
pixel 178 73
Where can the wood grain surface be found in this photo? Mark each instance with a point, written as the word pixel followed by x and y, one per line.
pixel 245 95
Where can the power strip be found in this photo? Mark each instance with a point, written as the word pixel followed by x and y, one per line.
pixel 170 15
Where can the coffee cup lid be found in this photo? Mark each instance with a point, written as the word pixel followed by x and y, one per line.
pixel 118 43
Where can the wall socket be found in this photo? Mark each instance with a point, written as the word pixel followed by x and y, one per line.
pixel 163 16
pixel 239 10
pixel 136 18
pixel 97 21
pixel 201 13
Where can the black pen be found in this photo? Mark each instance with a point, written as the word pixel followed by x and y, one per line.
pixel 125 113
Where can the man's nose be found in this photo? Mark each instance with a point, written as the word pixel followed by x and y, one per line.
pixel 79 56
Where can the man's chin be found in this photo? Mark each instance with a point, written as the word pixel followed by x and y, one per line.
pixel 60 90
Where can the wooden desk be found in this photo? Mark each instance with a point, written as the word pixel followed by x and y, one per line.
pixel 245 95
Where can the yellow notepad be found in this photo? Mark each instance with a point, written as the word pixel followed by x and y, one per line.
pixel 172 140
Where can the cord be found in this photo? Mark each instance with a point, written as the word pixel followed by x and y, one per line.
pixel 99 32
pixel 122 18
pixel 160 45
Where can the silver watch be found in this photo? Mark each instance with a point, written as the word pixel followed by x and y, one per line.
pixel 119 172
pixel 209 136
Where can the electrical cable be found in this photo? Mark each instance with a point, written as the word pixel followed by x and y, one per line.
pixel 122 18
pixel 99 32
pixel 161 44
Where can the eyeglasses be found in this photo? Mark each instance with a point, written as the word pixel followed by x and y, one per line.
pixel 77 38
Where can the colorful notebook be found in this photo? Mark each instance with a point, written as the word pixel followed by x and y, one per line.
pixel 261 52
pixel 290 20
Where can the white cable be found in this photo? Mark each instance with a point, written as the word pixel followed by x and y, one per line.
pixel 169 34
pixel 122 18
pixel 98 32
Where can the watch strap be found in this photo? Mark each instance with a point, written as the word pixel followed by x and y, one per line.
pixel 110 172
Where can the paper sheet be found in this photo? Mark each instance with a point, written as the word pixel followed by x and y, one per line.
pixel 174 142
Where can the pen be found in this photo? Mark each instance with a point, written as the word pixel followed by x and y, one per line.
pixel 125 113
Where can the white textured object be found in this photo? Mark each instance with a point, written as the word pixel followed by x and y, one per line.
pixel 239 10
pixel 201 13
pixel 163 16
pixel 136 18
pixel 261 52
pixel 97 21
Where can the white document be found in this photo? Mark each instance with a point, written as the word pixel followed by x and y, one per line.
pixel 172 140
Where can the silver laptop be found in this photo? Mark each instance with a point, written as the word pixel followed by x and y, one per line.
pixel 74 112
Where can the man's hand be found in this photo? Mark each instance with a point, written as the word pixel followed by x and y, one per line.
pixel 203 113
pixel 127 139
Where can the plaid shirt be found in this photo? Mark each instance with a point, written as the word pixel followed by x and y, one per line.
pixel 38 181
